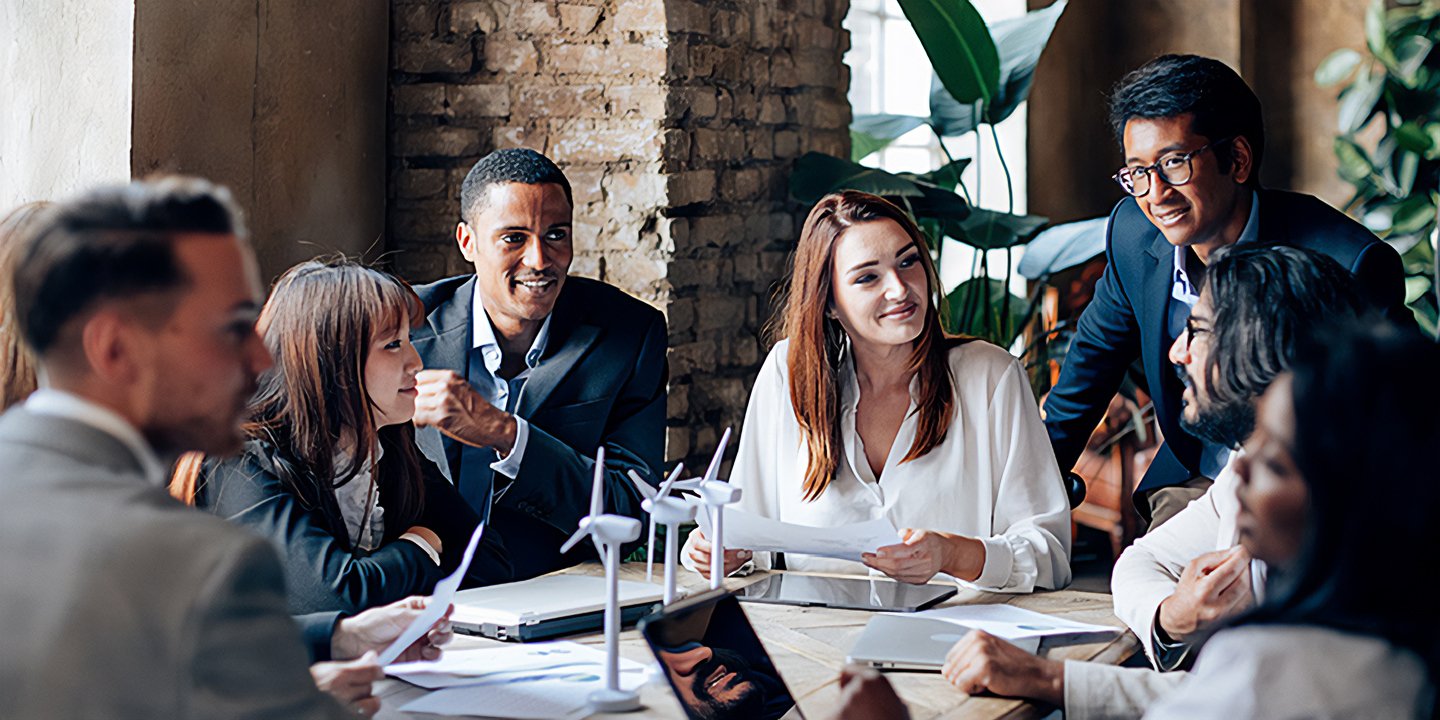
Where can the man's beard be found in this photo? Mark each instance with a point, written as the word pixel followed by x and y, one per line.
pixel 747 705
pixel 1228 425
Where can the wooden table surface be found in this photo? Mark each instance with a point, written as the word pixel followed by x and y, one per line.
pixel 809 646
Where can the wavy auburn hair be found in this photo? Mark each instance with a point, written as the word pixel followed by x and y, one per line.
pixel 318 325
pixel 17 364
pixel 817 341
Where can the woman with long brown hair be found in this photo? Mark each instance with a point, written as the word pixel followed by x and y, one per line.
pixel 17 367
pixel 867 409
pixel 330 472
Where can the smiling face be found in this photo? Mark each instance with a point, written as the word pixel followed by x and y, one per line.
pixel 879 289
pixel 519 242
pixel 1207 212
pixel 713 682
pixel 1272 493
pixel 390 370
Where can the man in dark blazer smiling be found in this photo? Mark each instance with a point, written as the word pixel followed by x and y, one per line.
pixel 1193 138
pixel 529 371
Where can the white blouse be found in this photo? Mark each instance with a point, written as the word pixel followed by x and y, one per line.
pixel 359 502
pixel 993 477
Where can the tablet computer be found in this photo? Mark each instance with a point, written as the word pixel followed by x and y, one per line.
pixel 714 662
pixel 919 644
pixel 851 593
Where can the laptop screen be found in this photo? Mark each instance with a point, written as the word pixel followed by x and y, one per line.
pixel 714 662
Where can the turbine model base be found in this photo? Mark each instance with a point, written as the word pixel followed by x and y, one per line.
pixel 614 701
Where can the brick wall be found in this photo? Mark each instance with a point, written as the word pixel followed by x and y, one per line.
pixel 676 122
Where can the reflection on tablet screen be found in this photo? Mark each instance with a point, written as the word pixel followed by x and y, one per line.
pixel 715 663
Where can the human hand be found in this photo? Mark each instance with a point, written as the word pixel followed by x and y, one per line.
pixel 865 694
pixel 923 553
pixel 448 402
pixel 376 628
pixel 981 662
pixel 699 549
pixel 1212 587
pixel 350 682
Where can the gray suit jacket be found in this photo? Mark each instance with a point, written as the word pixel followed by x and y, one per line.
pixel 119 602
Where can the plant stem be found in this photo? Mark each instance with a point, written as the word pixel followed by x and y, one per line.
pixel 1009 182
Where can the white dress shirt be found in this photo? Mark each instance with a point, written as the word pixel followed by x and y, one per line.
pixel 505 394
pixel 992 478
pixel 58 403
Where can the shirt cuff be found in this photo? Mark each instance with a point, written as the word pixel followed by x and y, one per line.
pixel 1169 654
pixel 509 466
pixel 999 561
pixel 420 542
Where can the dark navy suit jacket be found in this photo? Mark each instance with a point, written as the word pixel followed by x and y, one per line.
pixel 600 380
pixel 1127 319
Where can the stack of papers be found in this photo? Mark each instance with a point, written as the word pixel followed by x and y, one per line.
pixel 1009 622
pixel 537 680
pixel 748 531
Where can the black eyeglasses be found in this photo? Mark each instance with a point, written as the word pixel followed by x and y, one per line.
pixel 1174 169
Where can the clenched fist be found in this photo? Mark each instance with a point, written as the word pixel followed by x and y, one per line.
pixel 447 402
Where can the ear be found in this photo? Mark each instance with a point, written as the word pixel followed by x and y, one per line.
pixel 465 238
pixel 1242 159
pixel 110 344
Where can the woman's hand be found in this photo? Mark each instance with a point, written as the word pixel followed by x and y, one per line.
pixel 699 549
pixel 374 630
pixel 923 553
pixel 350 682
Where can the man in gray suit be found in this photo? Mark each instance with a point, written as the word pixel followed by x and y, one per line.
pixel 140 303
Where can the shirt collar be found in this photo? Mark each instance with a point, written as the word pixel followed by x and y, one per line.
pixel 58 403
pixel 483 335
pixel 1184 290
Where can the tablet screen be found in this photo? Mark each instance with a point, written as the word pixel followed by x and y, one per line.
pixel 714 662
pixel 879 594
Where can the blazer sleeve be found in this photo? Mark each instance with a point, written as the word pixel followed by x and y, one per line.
pixel 454 521
pixel 1106 342
pixel 320 574
pixel 247 659
pixel 318 630
pixel 553 485
pixel 1381 274
pixel 1096 691
pixel 1030 547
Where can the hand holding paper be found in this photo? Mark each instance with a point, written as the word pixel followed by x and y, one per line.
pixel 438 606
pixel 847 542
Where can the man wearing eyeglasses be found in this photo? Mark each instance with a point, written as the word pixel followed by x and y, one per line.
pixel 1193 138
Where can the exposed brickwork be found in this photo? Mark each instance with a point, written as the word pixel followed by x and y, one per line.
pixel 677 122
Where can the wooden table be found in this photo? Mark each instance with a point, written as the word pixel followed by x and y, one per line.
pixel 809 646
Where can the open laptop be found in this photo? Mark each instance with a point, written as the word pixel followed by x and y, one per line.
pixel 896 642
pixel 715 664
pixel 547 606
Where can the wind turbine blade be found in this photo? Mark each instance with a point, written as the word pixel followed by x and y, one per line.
pixel 714 469
pixel 650 551
pixel 670 481
pixel 645 490
pixel 577 537
pixel 597 498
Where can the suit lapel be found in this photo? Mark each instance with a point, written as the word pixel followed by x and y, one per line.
pixel 1154 332
pixel 570 337
pixel 445 343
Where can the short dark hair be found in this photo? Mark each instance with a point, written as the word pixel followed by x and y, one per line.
pixel 1268 299
pixel 112 243
pixel 511 165
pixel 1221 104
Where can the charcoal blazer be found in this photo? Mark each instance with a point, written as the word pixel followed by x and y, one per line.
pixel 120 602
pixel 1128 319
pixel 601 380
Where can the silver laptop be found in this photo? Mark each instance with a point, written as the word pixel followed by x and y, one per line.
pixel 548 606
pixel 896 642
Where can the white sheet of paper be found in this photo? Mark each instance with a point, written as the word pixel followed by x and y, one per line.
pixel 749 531
pixel 543 680
pixel 1008 621
pixel 439 600
pixel 499 664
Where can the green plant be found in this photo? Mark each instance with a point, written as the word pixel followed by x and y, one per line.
pixel 981 75
pixel 1395 89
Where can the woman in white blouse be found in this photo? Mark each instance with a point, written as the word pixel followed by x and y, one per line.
pixel 867 409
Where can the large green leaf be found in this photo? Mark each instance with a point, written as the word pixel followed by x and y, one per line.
pixel 991 230
pixel 1336 67
pixel 871 133
pixel 1019 43
pixel 817 174
pixel 948 176
pixel 1410 55
pixel 1357 102
pixel 938 203
pixel 979 307
pixel 959 46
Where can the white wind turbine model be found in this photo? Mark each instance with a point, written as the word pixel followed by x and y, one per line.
pixel 608 532
pixel 670 511
pixel 715 494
